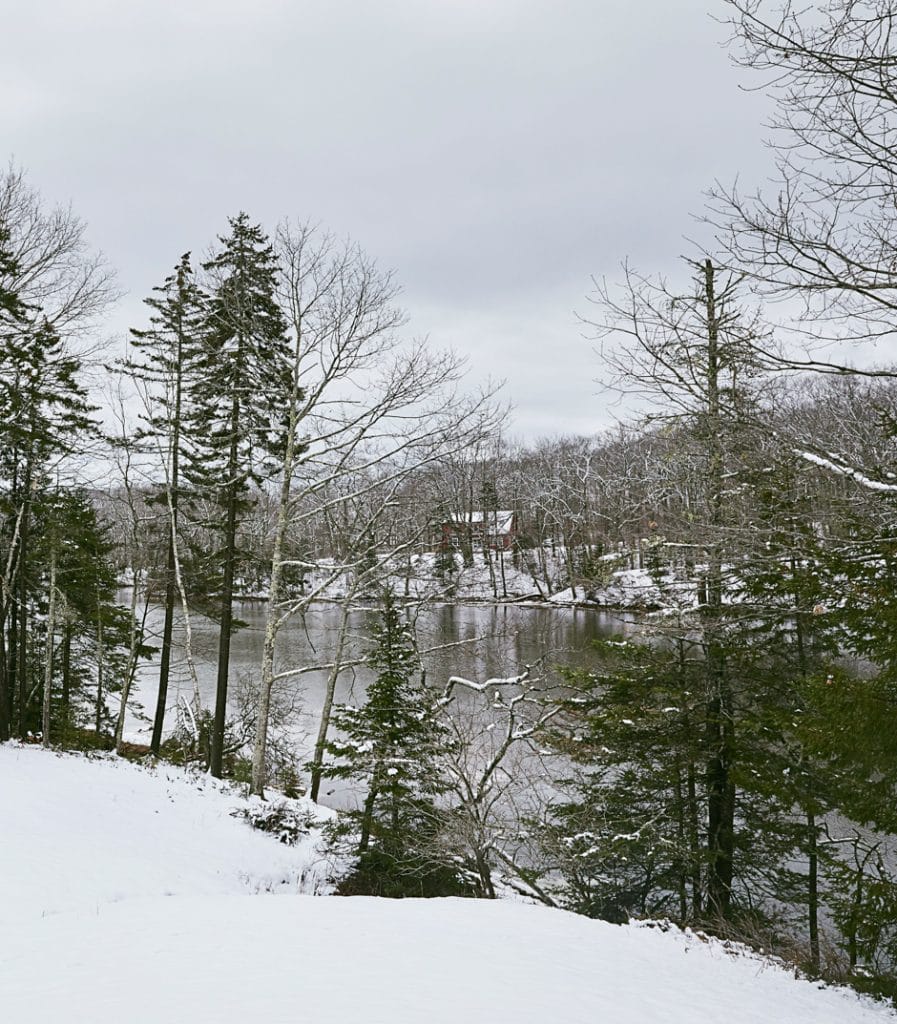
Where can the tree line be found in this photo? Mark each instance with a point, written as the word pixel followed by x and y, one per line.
pixel 733 765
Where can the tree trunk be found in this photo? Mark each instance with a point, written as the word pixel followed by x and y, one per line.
pixel 5 702
pixel 22 624
pixel 12 664
pixel 327 709
pixel 260 746
pixel 570 565
pixel 720 812
pixel 367 818
pixel 697 895
pixel 487 558
pixel 681 837
pixel 101 669
pixel 130 668
pixel 171 567
pixel 227 597
pixel 48 661
pixel 272 612
pixel 485 873
pixel 720 722
pixel 66 682
pixel 813 891
pixel 8 615
pixel 216 754
pixel 165 653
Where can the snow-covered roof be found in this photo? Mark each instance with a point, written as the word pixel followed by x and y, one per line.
pixel 499 522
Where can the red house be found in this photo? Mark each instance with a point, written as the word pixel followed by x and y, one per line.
pixel 496 530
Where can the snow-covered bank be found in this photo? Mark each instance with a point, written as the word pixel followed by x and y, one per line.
pixel 530 577
pixel 83 832
pixel 630 589
pixel 330 960
pixel 127 895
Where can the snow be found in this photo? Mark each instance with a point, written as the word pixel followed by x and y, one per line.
pixel 539 576
pixel 633 588
pixel 498 523
pixel 128 894
pixel 849 471
pixel 419 577
pixel 93 831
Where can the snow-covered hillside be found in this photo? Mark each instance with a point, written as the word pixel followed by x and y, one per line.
pixel 537 576
pixel 82 833
pixel 128 895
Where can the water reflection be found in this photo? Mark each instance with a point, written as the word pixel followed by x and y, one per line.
pixel 474 641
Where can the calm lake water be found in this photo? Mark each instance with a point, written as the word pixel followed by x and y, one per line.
pixel 498 640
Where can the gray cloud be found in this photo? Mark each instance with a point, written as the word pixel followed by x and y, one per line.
pixel 494 153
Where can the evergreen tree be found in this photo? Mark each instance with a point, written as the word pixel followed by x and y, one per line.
pixel 11 306
pixel 631 839
pixel 49 287
pixel 695 356
pixel 242 386
pixel 91 657
pixel 164 362
pixel 391 746
pixel 12 317
pixel 44 417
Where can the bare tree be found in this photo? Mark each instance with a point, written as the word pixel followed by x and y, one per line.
pixel 54 269
pixel 495 772
pixel 364 413
pixel 826 231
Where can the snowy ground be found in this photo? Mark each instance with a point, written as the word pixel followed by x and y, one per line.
pixel 128 895
pixel 82 833
pixel 420 577
pixel 539 576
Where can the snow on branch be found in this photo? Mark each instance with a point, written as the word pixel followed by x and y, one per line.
pixel 482 687
pixel 848 471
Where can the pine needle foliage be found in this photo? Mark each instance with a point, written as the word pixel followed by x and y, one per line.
pixel 391 745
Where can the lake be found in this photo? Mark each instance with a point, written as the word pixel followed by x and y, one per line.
pixel 490 641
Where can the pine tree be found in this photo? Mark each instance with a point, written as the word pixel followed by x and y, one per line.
pixel 243 382
pixel 91 658
pixel 164 362
pixel 391 746
pixel 44 417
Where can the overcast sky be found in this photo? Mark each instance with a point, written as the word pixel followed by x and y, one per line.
pixel 495 154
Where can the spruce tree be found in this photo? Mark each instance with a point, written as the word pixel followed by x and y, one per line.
pixel 90 660
pixel 629 838
pixel 237 404
pixel 164 360
pixel 695 356
pixel 44 417
pixel 391 745
pixel 12 317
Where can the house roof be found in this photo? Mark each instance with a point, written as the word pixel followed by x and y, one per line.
pixel 500 522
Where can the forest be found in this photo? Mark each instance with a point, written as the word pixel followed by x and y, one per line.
pixel 269 432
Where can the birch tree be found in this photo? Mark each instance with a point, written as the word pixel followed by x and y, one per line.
pixel 365 411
